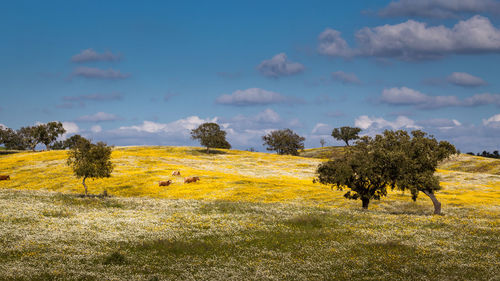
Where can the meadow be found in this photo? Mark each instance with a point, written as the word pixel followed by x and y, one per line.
pixel 253 216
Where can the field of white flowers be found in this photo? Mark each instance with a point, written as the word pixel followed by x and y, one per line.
pixel 253 216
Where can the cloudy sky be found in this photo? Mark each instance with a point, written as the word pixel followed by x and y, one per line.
pixel 144 73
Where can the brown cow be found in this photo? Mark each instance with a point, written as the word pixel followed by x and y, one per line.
pixel 191 179
pixel 4 177
pixel 176 173
pixel 165 183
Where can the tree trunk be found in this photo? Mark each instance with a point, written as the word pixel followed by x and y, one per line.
pixel 437 204
pixel 47 146
pixel 208 149
pixel 365 203
pixel 84 185
pixel 346 143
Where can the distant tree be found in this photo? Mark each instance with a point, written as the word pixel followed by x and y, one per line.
pixel 10 139
pixel 90 160
pixel 29 136
pixel 284 142
pixel 48 133
pixel 322 142
pixel 211 136
pixel 487 154
pixel 346 134
pixel 358 171
pixel 73 141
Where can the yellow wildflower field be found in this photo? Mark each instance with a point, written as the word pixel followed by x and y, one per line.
pixel 229 175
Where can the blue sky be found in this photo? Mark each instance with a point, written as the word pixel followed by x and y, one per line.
pixel 132 73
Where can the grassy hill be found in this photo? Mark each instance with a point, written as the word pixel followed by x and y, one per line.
pixel 252 216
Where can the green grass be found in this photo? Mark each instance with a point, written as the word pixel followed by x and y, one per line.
pixel 52 236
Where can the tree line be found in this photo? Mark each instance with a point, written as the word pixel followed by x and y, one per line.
pixel 488 154
pixel 30 136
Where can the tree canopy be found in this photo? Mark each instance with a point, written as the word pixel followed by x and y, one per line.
pixel 284 142
pixel 48 133
pixel 346 134
pixel 28 136
pixel 358 171
pixel 410 161
pixel 211 136
pixel 396 159
pixel 90 160
pixel 12 139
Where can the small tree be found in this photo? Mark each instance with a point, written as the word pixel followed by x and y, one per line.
pixel 284 142
pixel 359 171
pixel 322 142
pixel 346 134
pixel 211 136
pixel 90 160
pixel 48 133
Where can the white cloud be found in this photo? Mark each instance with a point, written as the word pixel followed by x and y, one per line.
pixel 403 95
pixel 331 43
pixel 407 96
pixel 71 128
pixel 493 121
pixel 345 78
pixel 322 129
pixel 94 97
pixel 413 40
pixel 438 8
pixel 181 125
pixel 89 55
pixel 98 117
pixel 364 122
pixel 482 99
pixel 96 129
pixel 93 72
pixel 278 66
pixel 465 80
pixel 440 123
pixel 253 96
pixel 268 116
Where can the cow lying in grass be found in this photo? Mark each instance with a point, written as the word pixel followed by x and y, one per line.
pixel 176 173
pixel 165 183
pixel 4 177
pixel 191 179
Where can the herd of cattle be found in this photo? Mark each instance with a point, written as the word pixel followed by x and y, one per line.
pixel 161 183
pixel 178 174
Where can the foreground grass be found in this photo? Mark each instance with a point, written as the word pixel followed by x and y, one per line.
pixel 54 236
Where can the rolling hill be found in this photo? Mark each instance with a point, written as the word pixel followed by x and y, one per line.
pixel 252 216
